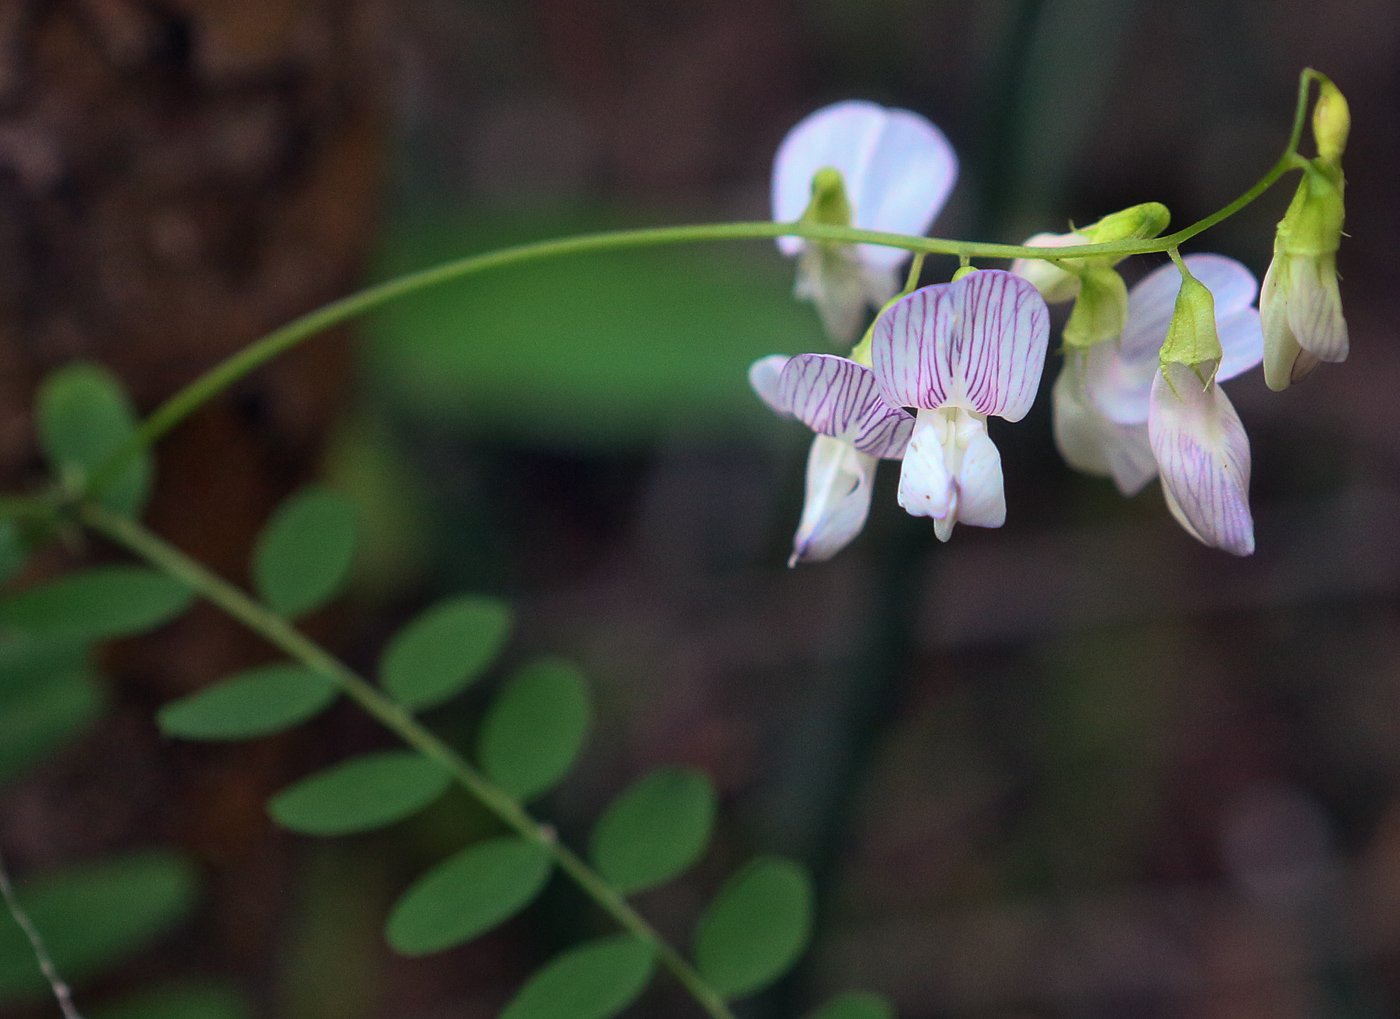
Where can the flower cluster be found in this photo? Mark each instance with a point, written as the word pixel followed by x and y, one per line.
pixel 1138 395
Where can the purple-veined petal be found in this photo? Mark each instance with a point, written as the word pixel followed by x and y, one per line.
pixel 981 498
pixel 839 485
pixel 1241 342
pixel 1315 306
pixel 1203 453
pixel 1116 384
pixel 838 397
pixel 999 352
pixel 925 483
pixel 978 343
pixel 911 170
pixel 763 377
pixel 1151 301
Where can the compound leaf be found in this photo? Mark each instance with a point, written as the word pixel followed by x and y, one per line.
pixel 107 601
pixel 595 980
pixel 655 829
pixel 304 553
pixel 535 728
pixel 360 794
pixel 83 416
pixel 756 927
pixel 255 702
pixel 94 916
pixel 468 894
pixel 444 649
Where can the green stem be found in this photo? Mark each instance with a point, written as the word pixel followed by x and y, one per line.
pixel 227 372
pixel 131 535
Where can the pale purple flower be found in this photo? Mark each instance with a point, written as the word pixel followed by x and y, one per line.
pixel 1102 397
pixel 896 169
pixel 959 352
pixel 839 400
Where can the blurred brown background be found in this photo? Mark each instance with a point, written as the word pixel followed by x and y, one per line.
pixel 1078 766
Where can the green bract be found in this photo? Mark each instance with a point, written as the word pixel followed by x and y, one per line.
pixel 1191 338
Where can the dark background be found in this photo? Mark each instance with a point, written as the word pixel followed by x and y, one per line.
pixel 1077 766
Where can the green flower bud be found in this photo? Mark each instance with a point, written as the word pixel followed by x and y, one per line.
pixel 1331 123
pixel 829 204
pixel 1101 309
pixel 1137 223
pixel 963 270
pixel 1191 338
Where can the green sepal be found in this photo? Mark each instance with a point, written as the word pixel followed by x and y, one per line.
pixel 1191 338
pixel 829 204
pixel 1313 223
pixel 1100 310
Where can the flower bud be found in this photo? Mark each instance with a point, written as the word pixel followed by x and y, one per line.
pixel 1101 309
pixel 1192 339
pixel 829 204
pixel 1331 123
pixel 963 270
pixel 1055 284
pixel 1137 223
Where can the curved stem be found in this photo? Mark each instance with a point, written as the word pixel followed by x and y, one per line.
pixel 132 536
pixel 227 372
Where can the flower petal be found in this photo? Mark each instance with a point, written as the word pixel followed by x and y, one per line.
pixel 911 170
pixel 999 352
pixel 1241 342
pixel 763 377
pixel 981 494
pixel 1203 452
pixel 925 484
pixel 840 480
pixel 1092 443
pixel 1315 307
pixel 978 343
pixel 838 397
pixel 897 168
pixel 1055 284
pixel 832 279
pixel 843 136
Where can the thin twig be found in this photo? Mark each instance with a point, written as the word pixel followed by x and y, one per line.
pixel 36 941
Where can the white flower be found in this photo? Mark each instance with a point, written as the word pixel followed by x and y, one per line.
pixel 1055 284
pixel 1102 395
pixel 959 352
pixel 839 400
pixel 895 172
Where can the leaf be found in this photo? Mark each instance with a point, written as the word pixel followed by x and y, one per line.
pixel 535 728
pixel 107 601
pixel 594 980
pixel 94 916
pixel 255 702
pixel 468 894
pixel 83 416
pixel 442 651
pixel 756 927
pixel 47 694
pixel 14 551
pixel 655 830
pixel 179 1000
pixel 361 794
pixel 304 552
pixel 855 1005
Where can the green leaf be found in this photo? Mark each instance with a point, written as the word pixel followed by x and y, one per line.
pixel 468 894
pixel 108 601
pixel 255 702
pixel 361 794
pixel 94 916
pixel 47 694
pixel 655 830
pixel 855 1005
pixel 179 1000
pixel 304 552
pixel 535 728
pixel 594 980
pixel 83 416
pixel 756 927
pixel 441 652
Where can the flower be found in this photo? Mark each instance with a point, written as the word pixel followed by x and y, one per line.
pixel 1102 395
pixel 858 164
pixel 959 352
pixel 1197 438
pixel 1301 306
pixel 839 400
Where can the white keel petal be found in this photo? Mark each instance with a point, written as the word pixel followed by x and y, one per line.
pixel 981 494
pixel 839 486
pixel 925 483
